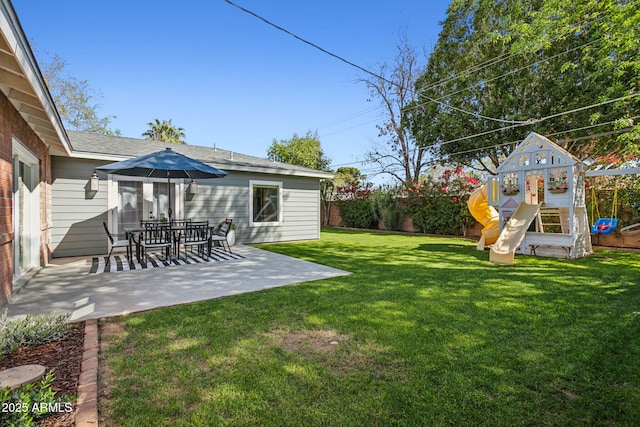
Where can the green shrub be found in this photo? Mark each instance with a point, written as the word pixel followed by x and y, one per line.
pixel 24 405
pixel 355 205
pixel 357 213
pixel 31 331
pixel 387 208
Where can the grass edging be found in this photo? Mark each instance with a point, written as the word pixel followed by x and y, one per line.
pixel 87 409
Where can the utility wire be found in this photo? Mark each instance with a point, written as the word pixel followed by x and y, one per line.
pixel 515 142
pixel 622 98
pixel 378 76
pixel 503 57
pixel 514 123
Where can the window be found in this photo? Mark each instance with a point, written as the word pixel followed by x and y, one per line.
pixel 265 203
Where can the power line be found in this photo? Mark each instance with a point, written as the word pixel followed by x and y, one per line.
pixel 348 117
pixel 503 57
pixel 508 73
pixel 622 98
pixel 378 76
pixel 436 161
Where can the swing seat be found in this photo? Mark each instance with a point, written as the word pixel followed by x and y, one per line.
pixel 604 226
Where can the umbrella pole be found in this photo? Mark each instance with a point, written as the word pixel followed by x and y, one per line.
pixel 172 255
pixel 170 211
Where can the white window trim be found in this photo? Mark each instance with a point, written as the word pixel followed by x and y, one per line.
pixel 261 183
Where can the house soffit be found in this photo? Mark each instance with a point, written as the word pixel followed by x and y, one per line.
pixel 22 83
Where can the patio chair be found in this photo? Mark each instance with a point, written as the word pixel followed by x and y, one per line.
pixel 177 227
pixel 155 237
pixel 196 234
pixel 122 241
pixel 220 235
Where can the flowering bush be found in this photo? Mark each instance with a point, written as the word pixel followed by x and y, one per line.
pixel 439 205
pixel 355 205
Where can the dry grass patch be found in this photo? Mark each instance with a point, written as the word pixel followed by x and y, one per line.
pixel 308 341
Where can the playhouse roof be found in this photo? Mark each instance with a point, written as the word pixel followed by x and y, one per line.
pixel 530 154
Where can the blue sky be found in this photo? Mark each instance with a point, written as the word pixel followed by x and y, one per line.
pixel 228 78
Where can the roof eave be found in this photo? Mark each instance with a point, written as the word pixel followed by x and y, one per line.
pixel 23 84
pixel 228 167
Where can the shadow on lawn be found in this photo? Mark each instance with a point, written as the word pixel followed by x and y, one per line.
pixel 556 339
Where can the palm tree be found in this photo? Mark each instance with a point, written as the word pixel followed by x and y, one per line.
pixel 165 131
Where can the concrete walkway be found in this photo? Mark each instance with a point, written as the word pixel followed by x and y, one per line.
pixel 64 286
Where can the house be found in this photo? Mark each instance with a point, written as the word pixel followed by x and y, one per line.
pixel 268 201
pixel 47 206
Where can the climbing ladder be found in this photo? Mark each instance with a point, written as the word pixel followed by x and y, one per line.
pixel 554 220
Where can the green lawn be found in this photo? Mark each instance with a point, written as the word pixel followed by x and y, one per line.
pixel 424 332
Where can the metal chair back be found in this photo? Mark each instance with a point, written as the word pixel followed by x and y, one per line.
pixel 106 230
pixel 225 227
pixel 155 234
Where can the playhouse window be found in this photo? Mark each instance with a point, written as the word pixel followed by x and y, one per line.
pixel 541 158
pixel 523 160
pixel 510 185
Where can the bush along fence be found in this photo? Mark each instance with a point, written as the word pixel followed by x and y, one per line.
pixel 438 205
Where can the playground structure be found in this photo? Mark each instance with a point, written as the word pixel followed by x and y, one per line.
pixel 486 215
pixel 539 195
pixel 603 226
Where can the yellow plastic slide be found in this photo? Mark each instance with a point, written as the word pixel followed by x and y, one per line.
pixel 486 215
pixel 504 249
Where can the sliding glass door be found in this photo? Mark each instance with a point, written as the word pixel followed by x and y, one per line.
pixel 138 199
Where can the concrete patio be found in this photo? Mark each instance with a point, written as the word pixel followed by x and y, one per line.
pixel 64 286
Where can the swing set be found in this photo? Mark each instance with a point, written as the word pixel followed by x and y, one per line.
pixel 604 225
pixel 608 225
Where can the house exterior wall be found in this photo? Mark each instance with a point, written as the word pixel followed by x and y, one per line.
pixel 228 197
pixel 78 213
pixel 12 125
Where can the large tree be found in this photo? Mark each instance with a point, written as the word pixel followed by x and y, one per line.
pixel 75 100
pixel 500 69
pixel 397 154
pixel 165 131
pixel 303 151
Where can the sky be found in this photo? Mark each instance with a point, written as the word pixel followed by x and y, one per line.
pixel 227 78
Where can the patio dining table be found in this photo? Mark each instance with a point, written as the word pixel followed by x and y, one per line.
pixel 134 235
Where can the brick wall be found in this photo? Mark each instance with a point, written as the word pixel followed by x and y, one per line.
pixel 12 125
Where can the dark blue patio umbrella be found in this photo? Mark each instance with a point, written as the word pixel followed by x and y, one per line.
pixel 163 164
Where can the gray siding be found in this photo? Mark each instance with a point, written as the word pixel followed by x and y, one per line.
pixel 78 214
pixel 228 197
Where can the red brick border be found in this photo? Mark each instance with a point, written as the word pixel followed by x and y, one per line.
pixel 87 409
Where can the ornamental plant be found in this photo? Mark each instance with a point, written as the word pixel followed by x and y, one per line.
pixel 438 205
pixel 387 207
pixel 355 205
pixel 31 331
